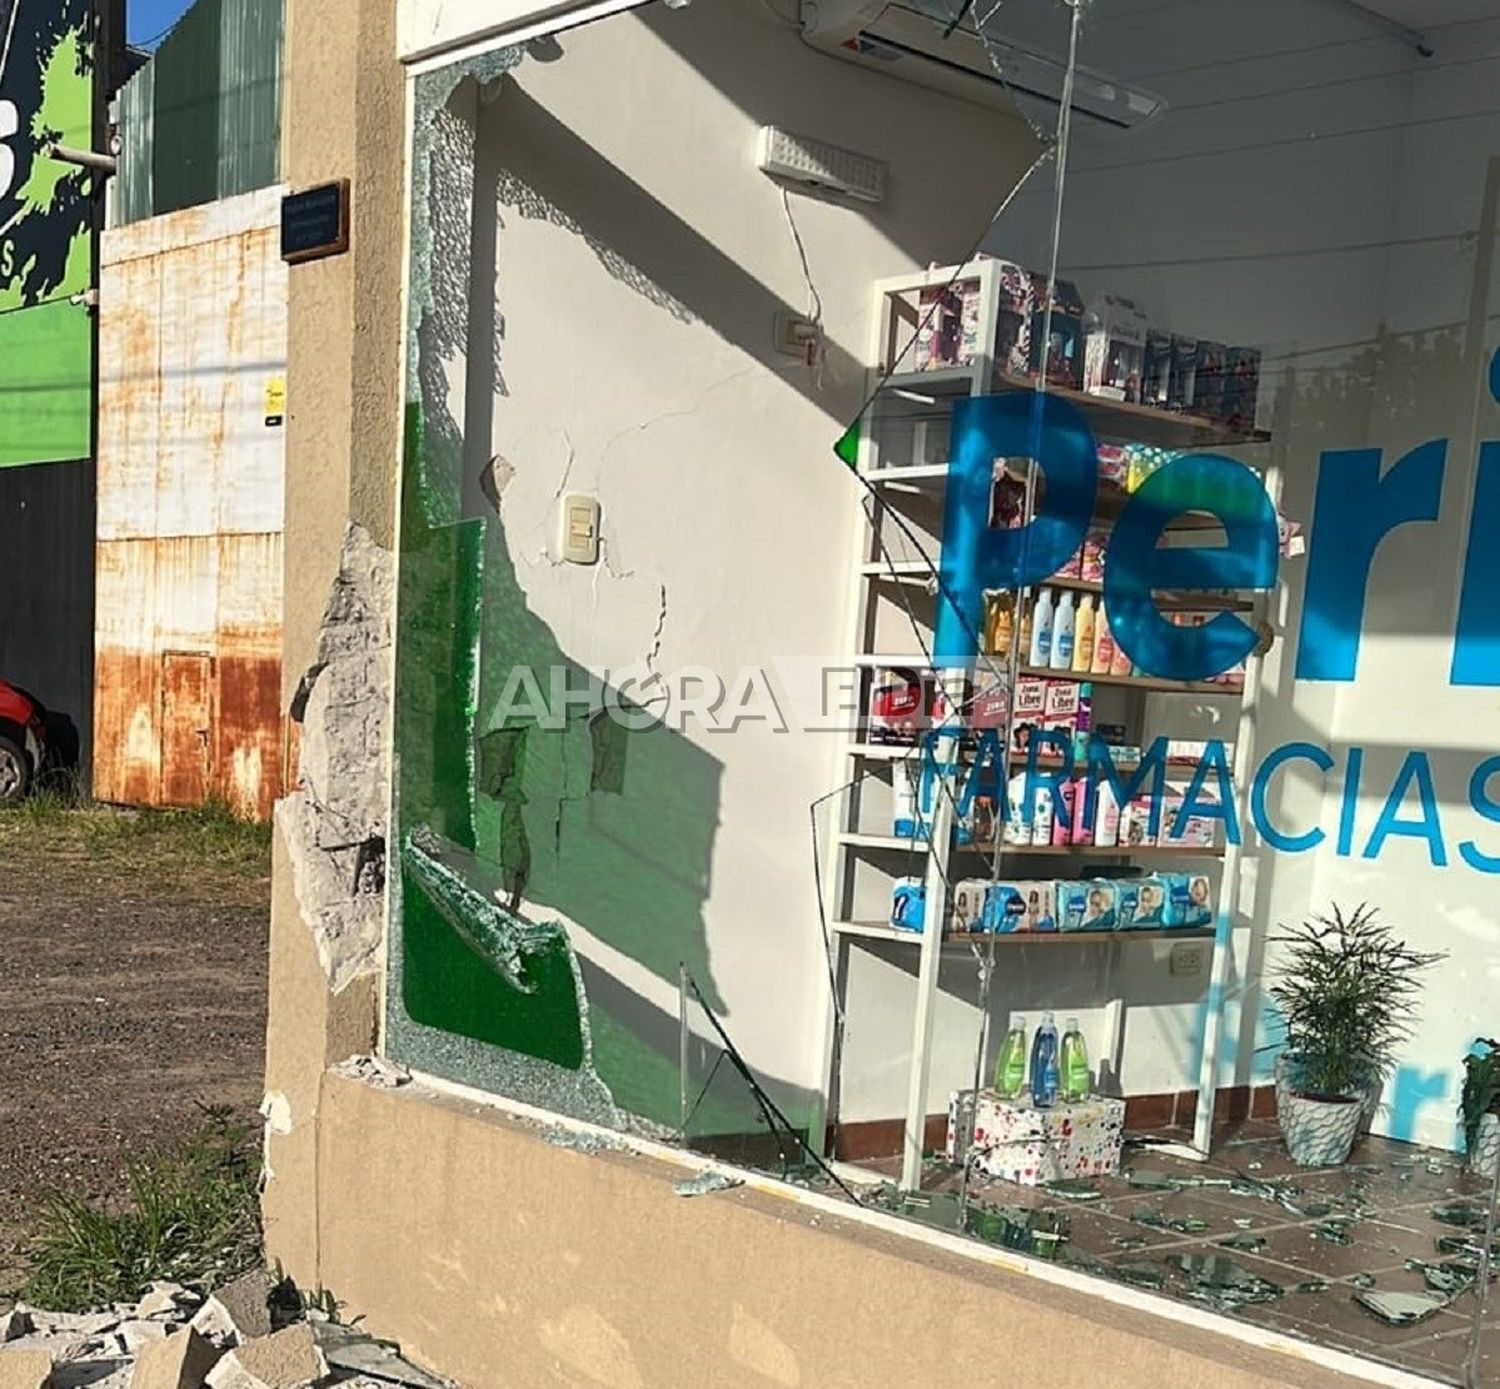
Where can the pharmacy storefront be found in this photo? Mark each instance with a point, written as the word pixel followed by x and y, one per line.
pixel 948 636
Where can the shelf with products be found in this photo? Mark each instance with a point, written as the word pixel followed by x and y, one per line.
pixel 906 845
pixel 878 930
pixel 1168 600
pixel 1145 683
pixel 903 451
pixel 1108 418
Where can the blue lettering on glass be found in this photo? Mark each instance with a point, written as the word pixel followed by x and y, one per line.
pixel 1476 635
pixel 1220 806
pixel 1427 826
pixel 1355 509
pixel 1056 741
pixel 1484 806
pixel 1153 765
pixel 1237 499
pixel 1350 802
pixel 1260 786
pixel 1018 424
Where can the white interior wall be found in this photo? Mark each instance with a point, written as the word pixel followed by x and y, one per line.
pixel 726 518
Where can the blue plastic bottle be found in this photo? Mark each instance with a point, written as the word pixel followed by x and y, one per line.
pixel 1044 1073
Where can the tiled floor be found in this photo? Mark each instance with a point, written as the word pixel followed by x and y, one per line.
pixel 1313 1237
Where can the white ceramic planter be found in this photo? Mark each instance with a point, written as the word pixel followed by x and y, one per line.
pixel 1484 1157
pixel 1317 1133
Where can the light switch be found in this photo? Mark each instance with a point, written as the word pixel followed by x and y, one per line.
pixel 580 529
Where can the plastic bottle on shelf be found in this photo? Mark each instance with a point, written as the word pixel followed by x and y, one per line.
pixel 1076 1080
pixel 1083 635
pixel 1010 1065
pixel 1041 630
pixel 1045 1076
pixel 1104 644
pixel 1062 633
pixel 1027 609
pixel 999 623
pixel 1119 663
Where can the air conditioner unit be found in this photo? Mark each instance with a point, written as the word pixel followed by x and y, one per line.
pixel 909 43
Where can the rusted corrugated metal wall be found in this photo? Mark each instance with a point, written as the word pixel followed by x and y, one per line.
pixel 192 331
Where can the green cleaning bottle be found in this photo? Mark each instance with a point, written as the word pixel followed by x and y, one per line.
pixel 1010 1066
pixel 1075 1064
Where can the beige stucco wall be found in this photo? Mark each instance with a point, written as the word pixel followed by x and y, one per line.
pixel 344 118
pixel 506 1261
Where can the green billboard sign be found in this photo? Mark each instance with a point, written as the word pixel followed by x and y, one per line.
pixel 46 231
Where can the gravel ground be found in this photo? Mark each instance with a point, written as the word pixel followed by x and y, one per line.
pixel 132 989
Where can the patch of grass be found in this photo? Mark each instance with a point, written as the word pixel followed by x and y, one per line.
pixel 168 844
pixel 192 1217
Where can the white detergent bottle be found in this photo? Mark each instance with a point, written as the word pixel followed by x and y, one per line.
pixel 1041 630
pixel 1062 633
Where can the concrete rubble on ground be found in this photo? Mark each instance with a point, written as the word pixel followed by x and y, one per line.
pixel 241 1336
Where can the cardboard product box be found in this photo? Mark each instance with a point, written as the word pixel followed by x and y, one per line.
pixel 1208 380
pixel 991 706
pixel 1031 701
pixel 1241 387
pixel 1013 330
pixel 1114 348
pixel 939 316
pixel 1156 375
pixel 1064 348
pixel 1183 373
pixel 1015 1142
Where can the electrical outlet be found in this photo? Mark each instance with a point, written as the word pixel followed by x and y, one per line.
pixel 1189 957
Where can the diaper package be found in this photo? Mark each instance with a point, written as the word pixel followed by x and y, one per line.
pixel 1020 908
pixel 968 912
pixel 1086 906
pixel 1151 902
pixel 908 904
pixel 1198 910
pixel 1127 902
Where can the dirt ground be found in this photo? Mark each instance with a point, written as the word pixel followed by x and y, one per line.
pixel 132 989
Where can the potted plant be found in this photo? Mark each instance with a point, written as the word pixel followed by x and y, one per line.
pixel 1346 986
pixel 1480 1106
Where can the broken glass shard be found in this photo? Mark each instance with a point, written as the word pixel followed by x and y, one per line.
pixel 1313 1285
pixel 1247 1244
pixel 1153 1216
pixel 1138 1275
pixel 1149 1179
pixel 1333 1232
pixel 1129 1242
pixel 1076 1189
pixel 1222 1283
pixel 847 446
pixel 1400 1309
pixel 1459 1213
pixel 706 1183
pixel 1187 1225
pixel 1363 1280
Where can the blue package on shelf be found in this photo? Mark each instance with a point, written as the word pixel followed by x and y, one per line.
pixel 1198 909
pixel 908 904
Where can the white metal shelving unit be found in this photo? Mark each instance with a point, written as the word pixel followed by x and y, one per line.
pixel 878 565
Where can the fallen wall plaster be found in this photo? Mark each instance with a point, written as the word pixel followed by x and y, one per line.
pixel 335 825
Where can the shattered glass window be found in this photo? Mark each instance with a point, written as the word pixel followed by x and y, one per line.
pixel 947 627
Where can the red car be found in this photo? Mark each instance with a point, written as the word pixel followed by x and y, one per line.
pixel 23 738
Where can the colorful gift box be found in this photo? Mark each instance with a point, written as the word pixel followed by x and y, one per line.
pixel 1018 1143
